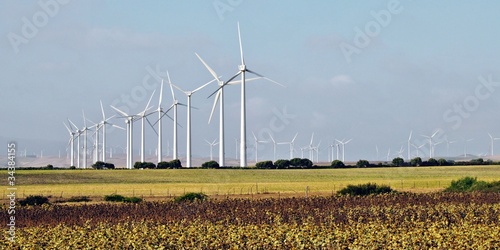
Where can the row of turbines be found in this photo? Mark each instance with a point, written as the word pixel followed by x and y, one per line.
pixel 100 127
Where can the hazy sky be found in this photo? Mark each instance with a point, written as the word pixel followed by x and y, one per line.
pixel 371 71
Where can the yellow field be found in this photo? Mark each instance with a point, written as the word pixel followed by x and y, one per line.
pixel 161 183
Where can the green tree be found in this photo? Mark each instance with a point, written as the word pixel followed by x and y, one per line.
pixel 398 161
pixel 210 164
pixel 306 163
pixel 432 162
pixel 337 164
pixel 175 164
pixel 443 162
pixel 363 164
pixel 282 164
pixel 417 161
pixel 296 162
pixel 264 165
pixel 163 165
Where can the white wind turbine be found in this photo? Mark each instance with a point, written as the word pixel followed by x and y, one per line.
pixel 212 144
pixel 79 133
pixel 242 70
pixel 189 94
pixel 317 151
pixel 129 120
pixel 465 146
pixel 142 115
pixel 274 147
pixel 492 143
pixel 431 145
pixel 343 143
pixel 174 106
pixel 448 146
pixel 161 113
pixel 256 145
pixel 290 143
pixel 72 143
pixel 310 147
pixel 84 130
pixel 400 152
pixel 103 124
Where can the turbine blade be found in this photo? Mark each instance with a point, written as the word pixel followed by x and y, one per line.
pixel 102 109
pixel 149 101
pixel 116 126
pixel 241 46
pixel 294 137
pixel 119 111
pixel 202 86
pixel 225 83
pixel 212 72
pixel 161 93
pixel 69 130
pixel 170 83
pixel 213 107
pixel 255 137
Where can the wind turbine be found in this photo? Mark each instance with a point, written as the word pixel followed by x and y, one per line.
pixel 430 142
pixel 79 133
pixel 465 146
pixel 291 143
pixel 492 143
pixel 256 144
pixel 400 152
pixel 105 122
pixel 317 151
pixel 343 143
pixel 72 144
pixel 448 146
pixel 212 144
pixel 310 147
pixel 242 69
pixel 142 115
pixel 84 130
pixel 174 106
pixel 189 94
pixel 129 120
pixel 409 146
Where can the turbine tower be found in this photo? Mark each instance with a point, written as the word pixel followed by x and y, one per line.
pixel 79 133
pixel 212 144
pixel 431 145
pixel 72 144
pixel 142 115
pixel 174 106
pixel 256 145
pixel 103 123
pixel 492 143
pixel 291 143
pixel 409 145
pixel 189 94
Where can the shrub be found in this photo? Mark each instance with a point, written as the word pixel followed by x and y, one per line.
pixel 191 197
pixel 50 167
pixel 175 164
pixel 72 167
pixel 210 164
pixel 114 198
pixel 296 162
pixel 144 165
pixel 103 165
pixel 432 162
pixel 398 161
pixel 469 184
pixel 281 164
pixel 132 199
pixel 362 164
pixel 264 165
pixel 34 200
pixel 365 189
pixel 417 161
pixel 306 163
pixel 337 164
pixel 163 165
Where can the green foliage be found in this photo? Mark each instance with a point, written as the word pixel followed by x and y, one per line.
pixel 163 165
pixel 34 200
pixel 282 164
pixel 443 162
pixel 191 197
pixel 431 162
pixel 296 162
pixel 417 161
pixel 103 165
pixel 175 164
pixel 479 161
pixel 337 164
pixel 210 164
pixel 49 166
pixel 365 189
pixel 398 161
pixel 72 167
pixel 121 198
pixel 306 163
pixel 469 184
pixel 264 165
pixel 362 164
pixel 144 165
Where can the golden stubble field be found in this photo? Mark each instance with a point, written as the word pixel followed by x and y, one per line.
pixel 158 184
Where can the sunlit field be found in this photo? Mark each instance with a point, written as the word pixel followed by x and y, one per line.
pixel 238 182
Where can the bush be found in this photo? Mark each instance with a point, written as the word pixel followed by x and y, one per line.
pixel 121 198
pixel 264 165
pixel 398 161
pixel 103 165
pixel 114 198
pixel 469 184
pixel 163 165
pixel 144 165
pixel 191 197
pixel 50 167
pixel 210 164
pixel 337 164
pixel 175 164
pixel 432 162
pixel 306 163
pixel 365 189
pixel 72 167
pixel 417 161
pixel 362 164
pixel 34 200
pixel 295 162
pixel 281 164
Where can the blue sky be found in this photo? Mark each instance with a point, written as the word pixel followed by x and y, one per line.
pixel 426 59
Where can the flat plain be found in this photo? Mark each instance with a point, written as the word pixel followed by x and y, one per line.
pixel 238 182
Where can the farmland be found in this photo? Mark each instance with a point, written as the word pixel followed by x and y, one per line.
pixel 158 184
pixel 392 221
